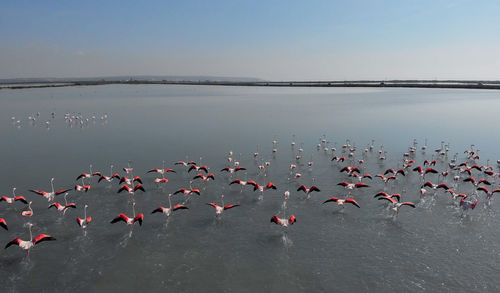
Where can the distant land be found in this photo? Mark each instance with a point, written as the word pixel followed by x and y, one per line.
pixel 23 83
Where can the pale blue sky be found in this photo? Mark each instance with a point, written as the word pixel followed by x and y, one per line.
pixel 277 40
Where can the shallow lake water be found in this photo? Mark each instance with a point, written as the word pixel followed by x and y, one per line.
pixel 433 247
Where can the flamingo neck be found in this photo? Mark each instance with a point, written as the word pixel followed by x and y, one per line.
pixel 170 202
pixel 85 213
pixel 52 185
pixel 31 234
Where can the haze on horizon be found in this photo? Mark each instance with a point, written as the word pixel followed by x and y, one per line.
pixel 274 40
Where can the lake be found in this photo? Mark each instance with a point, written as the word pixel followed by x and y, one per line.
pixel 434 247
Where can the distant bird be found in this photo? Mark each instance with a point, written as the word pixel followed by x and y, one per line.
pixel 308 190
pixel 386 179
pixel 168 211
pixel 131 190
pixel 83 222
pixel 162 171
pixel 62 208
pixel 476 183
pixel 397 205
pixel 198 168
pixel 187 191
pixel 341 202
pixel 283 221
pixel 385 194
pixel 467 204
pixel 129 181
pixel 351 186
pixel 220 208
pixel 88 175
pixel 161 180
pixel 435 186
pixel 205 178
pixel 50 195
pixel 231 170
pixel 129 221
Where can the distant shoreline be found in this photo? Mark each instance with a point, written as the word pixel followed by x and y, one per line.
pixel 444 84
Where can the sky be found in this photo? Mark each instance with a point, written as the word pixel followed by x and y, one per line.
pixel 272 39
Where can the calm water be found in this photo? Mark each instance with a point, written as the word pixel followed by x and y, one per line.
pixel 429 248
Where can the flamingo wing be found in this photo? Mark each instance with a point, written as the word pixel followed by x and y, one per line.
pixel 38 192
pixel 359 185
pixel 120 217
pixel 231 206
pixel 388 198
pixel 352 201
pixel 14 241
pixel 159 209
pixel 179 207
pixel 21 199
pixel 331 199
pixel 42 237
pixel 62 191
pixel 139 218
pixel 292 220
pixel 407 203
pixel 303 188
pixel 213 204
pixel 124 187
pixel 3 223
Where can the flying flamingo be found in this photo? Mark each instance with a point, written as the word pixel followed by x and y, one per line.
pixel 62 208
pixel 186 191
pixel 14 198
pixel 161 180
pixel 341 202
pixel 88 175
pixel 231 170
pixel 489 193
pixel 28 244
pixel 162 171
pixel 308 190
pixel 129 221
pixel 351 186
pixel 83 222
pixel 397 205
pixel 50 195
pixel 205 178
pixel 385 194
pixel 198 168
pixel 129 181
pixel 220 208
pixel 131 190
pixel 110 177
pixel 83 187
pixel 476 183
pixel 467 204
pixel 168 211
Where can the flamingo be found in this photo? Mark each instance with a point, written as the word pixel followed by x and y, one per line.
pixel 14 198
pixel 476 183
pixel 386 179
pixel 185 164
pixel 220 208
pixel 131 190
pixel 341 202
pixel 50 195
pixel 129 181
pixel 397 205
pixel 83 222
pixel 29 212
pixel 128 169
pixel 83 187
pixel 351 186
pixel 232 170
pixel 3 223
pixel 28 244
pixel 186 191
pixel 129 221
pixel 308 190
pixel 62 208
pixel 168 211
pixel 283 221
pixel 489 193
pixel 205 178
pixel 162 171
pixel 435 186
pixel 110 177
pixel 198 168
pixel 88 175
pixel 161 180
pixel 467 204
pixel 385 194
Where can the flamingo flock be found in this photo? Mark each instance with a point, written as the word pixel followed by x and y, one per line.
pixel 466 181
